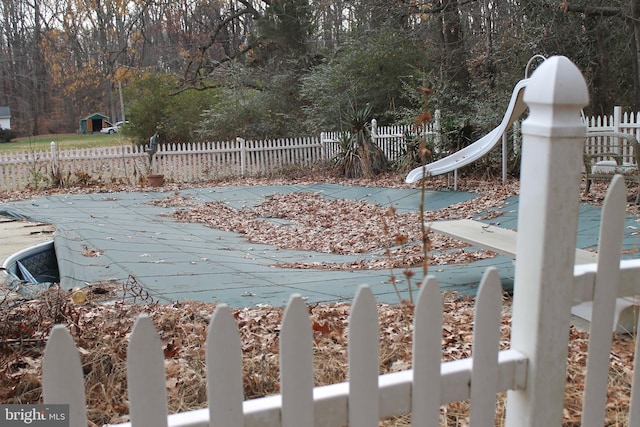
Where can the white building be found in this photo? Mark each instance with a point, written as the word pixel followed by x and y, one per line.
pixel 5 118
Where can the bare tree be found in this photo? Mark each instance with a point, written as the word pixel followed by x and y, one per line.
pixel 628 14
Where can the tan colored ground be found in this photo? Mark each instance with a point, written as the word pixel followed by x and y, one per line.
pixel 17 235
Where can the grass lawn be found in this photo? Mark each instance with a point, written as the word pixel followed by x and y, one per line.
pixel 69 140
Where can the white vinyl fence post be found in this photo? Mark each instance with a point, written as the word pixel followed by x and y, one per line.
pixel 553 138
pixel 323 146
pixel 54 159
pixel 374 131
pixel 617 118
pixel 243 156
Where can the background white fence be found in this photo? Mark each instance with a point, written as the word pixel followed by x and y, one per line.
pixel 202 161
pixel 214 160
pixel 190 162
pixel 618 122
pixel 40 169
pixel 532 370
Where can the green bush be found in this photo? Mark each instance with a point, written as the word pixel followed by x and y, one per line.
pixel 370 69
pixel 156 103
pixel 255 103
pixel 6 135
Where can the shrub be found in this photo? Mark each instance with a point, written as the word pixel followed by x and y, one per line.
pixel 359 156
pixel 6 135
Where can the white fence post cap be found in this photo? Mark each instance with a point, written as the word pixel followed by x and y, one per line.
pixel 555 95
pixel 557 81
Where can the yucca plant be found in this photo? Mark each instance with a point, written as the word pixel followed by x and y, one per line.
pixel 347 159
pixel 359 156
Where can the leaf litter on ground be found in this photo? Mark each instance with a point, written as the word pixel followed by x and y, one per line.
pixel 101 327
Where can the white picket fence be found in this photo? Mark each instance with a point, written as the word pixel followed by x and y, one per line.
pixel 392 140
pixel 619 122
pixel 203 161
pixel 532 370
pixel 188 162
pixel 192 162
pixel 44 168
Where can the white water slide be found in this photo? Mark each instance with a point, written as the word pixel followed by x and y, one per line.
pixel 479 148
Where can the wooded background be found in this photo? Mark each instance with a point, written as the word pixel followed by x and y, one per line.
pixel 203 69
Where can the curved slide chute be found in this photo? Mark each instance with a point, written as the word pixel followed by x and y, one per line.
pixel 479 148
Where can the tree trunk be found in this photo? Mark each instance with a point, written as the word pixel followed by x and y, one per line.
pixel 488 37
pixel 455 66
pixel 36 58
pixel 635 24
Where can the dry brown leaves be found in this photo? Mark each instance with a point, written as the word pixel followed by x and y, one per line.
pixel 101 332
pixel 310 222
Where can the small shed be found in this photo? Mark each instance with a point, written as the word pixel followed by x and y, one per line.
pixel 5 118
pixel 93 123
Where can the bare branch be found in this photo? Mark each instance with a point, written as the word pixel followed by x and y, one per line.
pixel 592 10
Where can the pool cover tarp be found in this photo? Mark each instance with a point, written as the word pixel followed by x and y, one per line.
pixel 121 237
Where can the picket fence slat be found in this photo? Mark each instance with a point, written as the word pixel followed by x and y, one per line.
pixel 486 345
pixel 296 365
pixel 224 369
pixel 604 303
pixel 146 376
pixel 62 377
pixel 363 360
pixel 427 352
